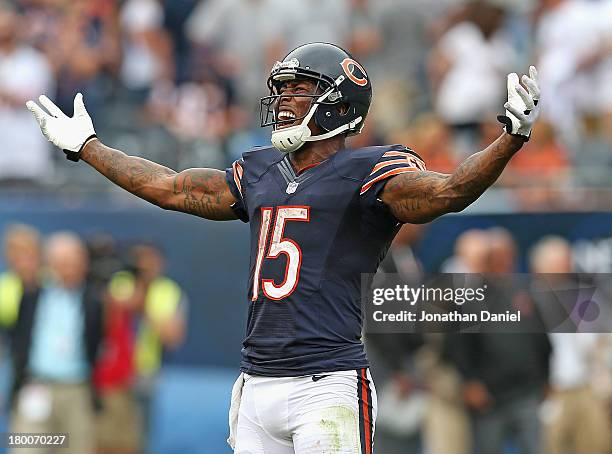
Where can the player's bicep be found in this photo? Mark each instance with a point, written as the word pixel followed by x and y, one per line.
pixel 204 193
pixel 416 197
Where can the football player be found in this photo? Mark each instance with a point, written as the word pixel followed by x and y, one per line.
pixel 320 215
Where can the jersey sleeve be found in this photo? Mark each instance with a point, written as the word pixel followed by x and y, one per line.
pixel 234 175
pixel 391 163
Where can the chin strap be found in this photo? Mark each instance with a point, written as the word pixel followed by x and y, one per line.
pixel 336 131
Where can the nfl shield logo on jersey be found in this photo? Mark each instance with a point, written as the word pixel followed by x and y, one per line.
pixel 291 187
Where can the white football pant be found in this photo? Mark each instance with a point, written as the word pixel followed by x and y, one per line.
pixel 316 414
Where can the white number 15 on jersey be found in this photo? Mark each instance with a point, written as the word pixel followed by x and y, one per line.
pixel 279 245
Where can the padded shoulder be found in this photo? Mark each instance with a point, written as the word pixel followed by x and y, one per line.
pixel 357 164
pixel 258 160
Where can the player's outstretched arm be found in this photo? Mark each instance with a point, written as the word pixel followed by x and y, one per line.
pixel 419 197
pixel 202 192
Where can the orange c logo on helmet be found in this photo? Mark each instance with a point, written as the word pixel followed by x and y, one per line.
pixel 348 65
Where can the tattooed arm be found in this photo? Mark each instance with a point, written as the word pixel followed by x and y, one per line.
pixel 419 197
pixel 422 197
pixel 202 192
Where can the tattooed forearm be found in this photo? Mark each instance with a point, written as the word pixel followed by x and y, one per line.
pixel 423 196
pixel 134 174
pixel 202 192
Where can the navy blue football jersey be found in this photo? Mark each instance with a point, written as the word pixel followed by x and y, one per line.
pixel 312 236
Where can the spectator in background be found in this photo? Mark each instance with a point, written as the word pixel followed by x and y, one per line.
pixel 118 423
pixel 573 44
pixel 147 49
pixel 176 14
pixel 502 252
pixel 164 307
pixel 161 322
pixel 447 412
pixel 576 419
pixel 54 345
pixel 82 43
pixel 504 374
pixel 24 71
pixel 471 253
pixel 465 68
pixel 22 257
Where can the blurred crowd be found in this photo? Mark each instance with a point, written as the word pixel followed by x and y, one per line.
pixel 85 328
pixel 179 82
pixel 487 392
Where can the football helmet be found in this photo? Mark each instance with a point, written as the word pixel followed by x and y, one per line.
pixel 340 81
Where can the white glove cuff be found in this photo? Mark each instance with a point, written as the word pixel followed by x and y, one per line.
pixel 76 155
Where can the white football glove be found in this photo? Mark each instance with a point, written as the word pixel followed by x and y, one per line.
pixel 69 134
pixel 522 109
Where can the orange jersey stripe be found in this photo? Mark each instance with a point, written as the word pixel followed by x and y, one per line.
pixel 411 157
pixel 387 174
pixel 403 154
pixel 235 165
pixel 239 168
pixel 380 165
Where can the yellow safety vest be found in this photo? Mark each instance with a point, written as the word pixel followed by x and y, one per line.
pixel 11 292
pixel 161 304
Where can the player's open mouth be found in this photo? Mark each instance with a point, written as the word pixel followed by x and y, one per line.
pixel 286 118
